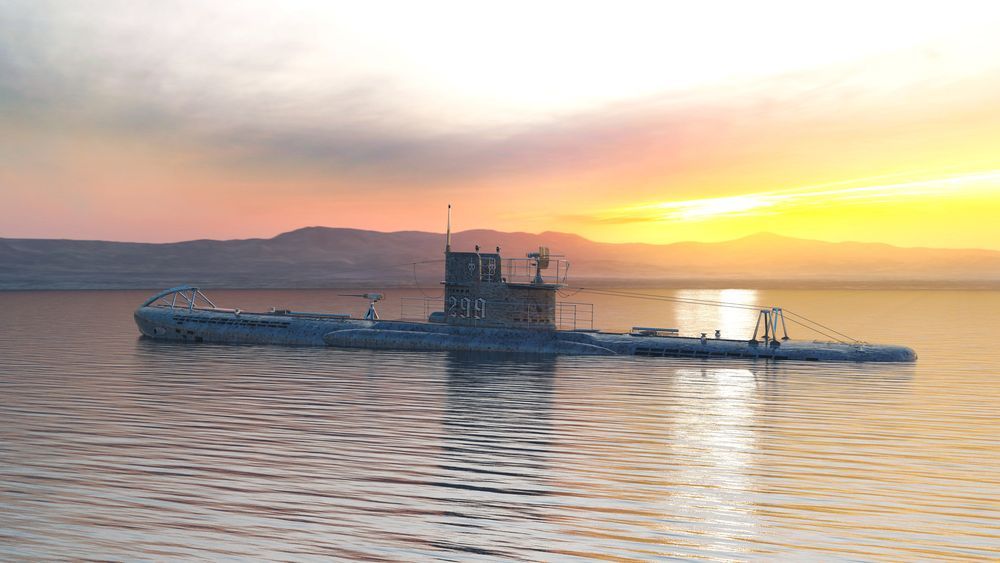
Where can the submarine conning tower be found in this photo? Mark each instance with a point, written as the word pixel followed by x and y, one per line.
pixel 482 289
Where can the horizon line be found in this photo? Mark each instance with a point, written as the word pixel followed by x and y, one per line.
pixel 442 234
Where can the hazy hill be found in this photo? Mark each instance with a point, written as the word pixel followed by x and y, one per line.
pixel 319 256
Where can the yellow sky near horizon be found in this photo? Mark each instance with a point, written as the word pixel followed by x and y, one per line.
pixel 951 211
pixel 622 122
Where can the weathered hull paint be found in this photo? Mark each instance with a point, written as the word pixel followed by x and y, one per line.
pixel 206 325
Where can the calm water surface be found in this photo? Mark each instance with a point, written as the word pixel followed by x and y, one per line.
pixel 115 447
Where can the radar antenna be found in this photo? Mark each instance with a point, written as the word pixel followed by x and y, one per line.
pixel 541 259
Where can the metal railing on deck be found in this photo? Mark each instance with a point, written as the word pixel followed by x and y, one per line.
pixel 419 308
pixel 568 316
pixel 575 316
pixel 524 270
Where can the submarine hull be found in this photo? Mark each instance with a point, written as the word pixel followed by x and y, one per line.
pixel 299 329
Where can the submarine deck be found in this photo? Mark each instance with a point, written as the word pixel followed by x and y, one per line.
pixel 198 324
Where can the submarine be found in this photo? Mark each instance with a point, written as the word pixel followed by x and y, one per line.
pixel 491 304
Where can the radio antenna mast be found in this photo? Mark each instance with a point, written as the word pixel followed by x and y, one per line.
pixel 447 240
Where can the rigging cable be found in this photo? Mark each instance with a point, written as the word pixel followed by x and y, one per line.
pixel 710 302
pixel 690 300
pixel 802 321
pixel 816 330
pixel 389 267
pixel 416 283
pixel 822 326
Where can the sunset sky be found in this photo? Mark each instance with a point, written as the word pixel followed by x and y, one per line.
pixel 620 121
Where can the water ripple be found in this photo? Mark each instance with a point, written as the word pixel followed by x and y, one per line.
pixel 114 447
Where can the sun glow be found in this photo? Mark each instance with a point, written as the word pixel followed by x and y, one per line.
pixel 784 201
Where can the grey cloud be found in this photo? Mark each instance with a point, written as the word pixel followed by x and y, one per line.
pixel 91 65
pixel 78 65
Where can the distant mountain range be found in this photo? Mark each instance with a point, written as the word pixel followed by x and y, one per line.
pixel 329 257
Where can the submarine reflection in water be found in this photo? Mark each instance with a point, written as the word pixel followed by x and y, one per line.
pixel 498 451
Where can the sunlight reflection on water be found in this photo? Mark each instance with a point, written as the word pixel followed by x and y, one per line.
pixel 732 322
